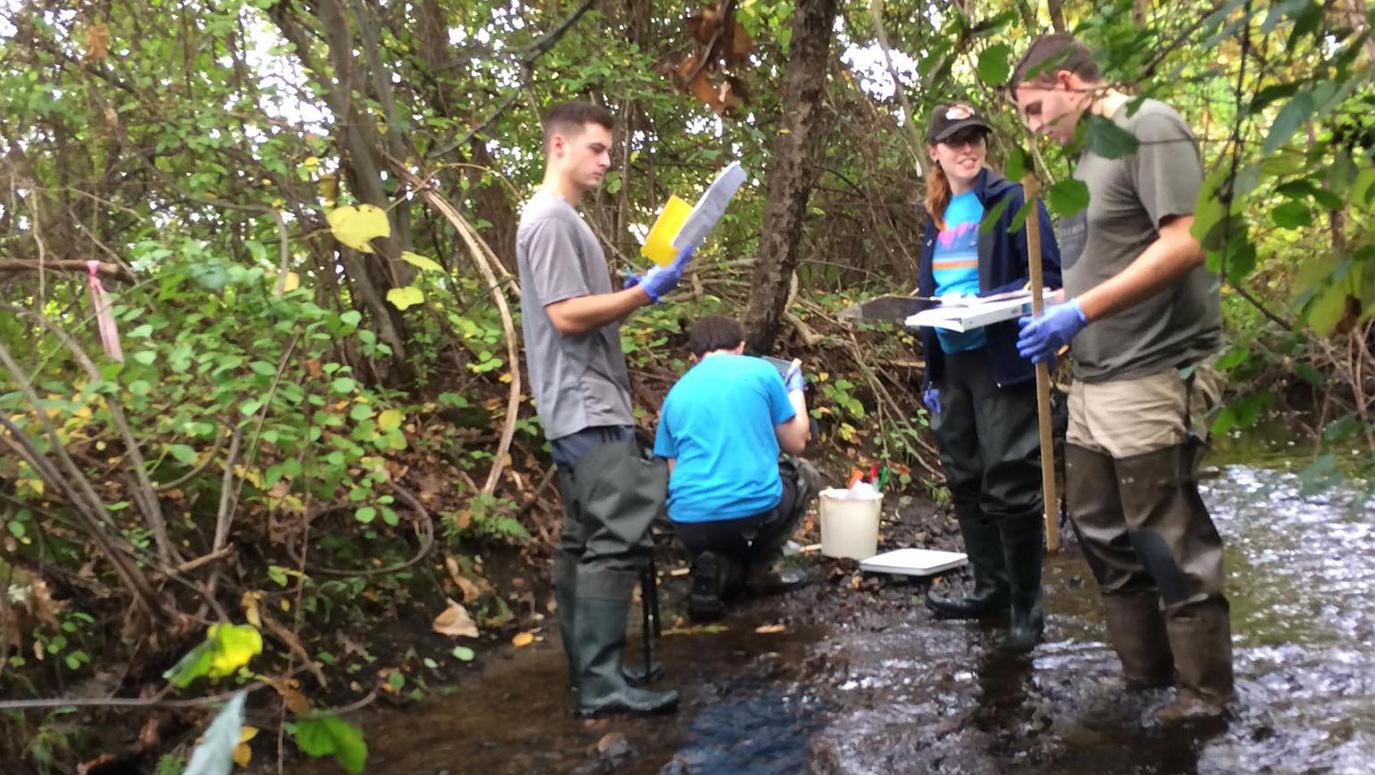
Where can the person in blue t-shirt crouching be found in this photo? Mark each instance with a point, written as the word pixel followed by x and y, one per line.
pixel 731 502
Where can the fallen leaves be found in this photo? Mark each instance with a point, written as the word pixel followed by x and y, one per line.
pixel 455 622
pixel 523 639
pixel 771 629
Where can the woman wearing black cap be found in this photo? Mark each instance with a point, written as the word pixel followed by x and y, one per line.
pixel 980 392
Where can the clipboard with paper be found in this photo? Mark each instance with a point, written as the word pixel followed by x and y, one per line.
pixel 679 226
pixel 967 313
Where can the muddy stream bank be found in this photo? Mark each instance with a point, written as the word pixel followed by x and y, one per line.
pixel 863 680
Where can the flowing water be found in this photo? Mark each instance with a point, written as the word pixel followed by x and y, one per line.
pixel 865 681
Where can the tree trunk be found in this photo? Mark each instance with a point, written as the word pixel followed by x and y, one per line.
pixel 1057 15
pixel 794 172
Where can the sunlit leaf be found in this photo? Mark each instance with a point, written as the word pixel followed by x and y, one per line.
pixel 523 639
pixel 423 263
pixel 356 226
pixel 390 420
pixel 401 298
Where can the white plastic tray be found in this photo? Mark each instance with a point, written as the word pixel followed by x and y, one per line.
pixel 913 562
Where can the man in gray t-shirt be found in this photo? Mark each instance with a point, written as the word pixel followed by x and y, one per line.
pixel 571 317
pixel 1141 318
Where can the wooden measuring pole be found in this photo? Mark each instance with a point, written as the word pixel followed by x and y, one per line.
pixel 1033 256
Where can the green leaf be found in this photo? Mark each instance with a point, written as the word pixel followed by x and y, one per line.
pixel 343 385
pixel 360 412
pixel 365 515
pixel 358 226
pixel 463 654
pixel 1107 139
pixel 1068 197
pixel 183 454
pixel 326 735
pixel 396 681
pixel 1018 164
pixel 1360 190
pixel 351 317
pixel 1292 116
pixel 401 298
pixel 423 263
pixel 1291 215
pixel 1233 358
pixel 145 356
pixel 994 67
pixel 991 217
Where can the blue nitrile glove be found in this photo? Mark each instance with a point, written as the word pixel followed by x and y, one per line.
pixel 631 279
pixel 794 380
pixel 1041 338
pixel 932 398
pixel 659 280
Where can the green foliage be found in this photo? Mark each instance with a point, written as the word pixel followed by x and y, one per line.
pixel 325 734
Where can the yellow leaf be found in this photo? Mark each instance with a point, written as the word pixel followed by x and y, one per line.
pixel 310 162
pixel 357 226
pixel 249 603
pixel 523 639
pixel 455 622
pixel 402 298
pixel 292 282
pixel 770 629
pixel 243 754
pixel 232 645
pixel 33 484
pixel 421 262
pixel 390 420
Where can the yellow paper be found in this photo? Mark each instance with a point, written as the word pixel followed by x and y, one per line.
pixel 658 245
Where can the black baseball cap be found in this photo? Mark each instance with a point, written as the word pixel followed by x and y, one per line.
pixel 948 119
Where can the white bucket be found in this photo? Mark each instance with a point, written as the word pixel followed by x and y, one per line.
pixel 849 526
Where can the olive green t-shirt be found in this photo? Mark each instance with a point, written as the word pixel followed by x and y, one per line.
pixel 1129 197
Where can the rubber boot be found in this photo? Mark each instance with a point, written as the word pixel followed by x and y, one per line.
pixel 1023 541
pixel 1201 639
pixel 599 624
pixel 715 577
pixel 983 544
pixel 1136 628
pixel 765 572
pixel 565 592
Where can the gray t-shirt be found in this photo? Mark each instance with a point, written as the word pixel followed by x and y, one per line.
pixel 1128 198
pixel 577 381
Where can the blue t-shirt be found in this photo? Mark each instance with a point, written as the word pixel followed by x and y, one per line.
pixel 718 423
pixel 956 264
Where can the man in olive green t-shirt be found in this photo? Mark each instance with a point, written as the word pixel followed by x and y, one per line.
pixel 1141 317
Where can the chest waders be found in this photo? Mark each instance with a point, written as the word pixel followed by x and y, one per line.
pixel 1157 557
pixel 610 499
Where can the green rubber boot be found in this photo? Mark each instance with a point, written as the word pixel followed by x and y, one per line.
pixel 983 544
pixel 1023 549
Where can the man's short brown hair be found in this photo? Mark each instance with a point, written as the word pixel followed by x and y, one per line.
pixel 1051 53
pixel 568 118
pixel 714 332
